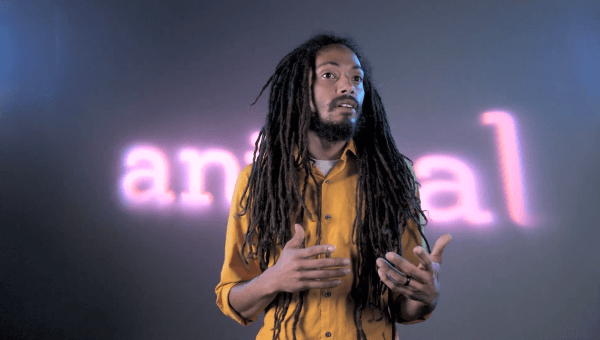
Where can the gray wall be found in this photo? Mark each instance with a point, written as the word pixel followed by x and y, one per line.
pixel 81 83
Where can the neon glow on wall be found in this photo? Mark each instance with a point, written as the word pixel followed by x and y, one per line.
pixel 146 180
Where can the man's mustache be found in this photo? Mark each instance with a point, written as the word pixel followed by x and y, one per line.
pixel 336 102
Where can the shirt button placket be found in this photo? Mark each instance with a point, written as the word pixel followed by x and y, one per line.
pixel 327 293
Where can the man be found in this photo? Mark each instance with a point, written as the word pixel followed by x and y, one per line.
pixel 318 219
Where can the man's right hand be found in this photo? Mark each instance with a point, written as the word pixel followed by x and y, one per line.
pixel 296 270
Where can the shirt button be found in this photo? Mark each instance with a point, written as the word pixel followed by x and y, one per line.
pixel 328 334
pixel 327 294
pixel 327 182
pixel 327 216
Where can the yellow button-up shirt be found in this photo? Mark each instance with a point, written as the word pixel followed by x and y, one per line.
pixel 326 313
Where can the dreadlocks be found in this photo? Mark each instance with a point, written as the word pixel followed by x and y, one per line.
pixel 385 189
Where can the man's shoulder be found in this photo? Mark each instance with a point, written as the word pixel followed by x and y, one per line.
pixel 245 173
pixel 247 170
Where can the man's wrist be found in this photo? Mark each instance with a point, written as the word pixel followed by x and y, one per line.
pixel 407 310
pixel 269 283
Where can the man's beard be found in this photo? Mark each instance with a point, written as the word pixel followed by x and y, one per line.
pixel 333 132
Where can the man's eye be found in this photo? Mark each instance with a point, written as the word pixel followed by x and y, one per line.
pixel 358 79
pixel 328 75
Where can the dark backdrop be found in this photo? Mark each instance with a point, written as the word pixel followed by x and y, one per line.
pixel 83 83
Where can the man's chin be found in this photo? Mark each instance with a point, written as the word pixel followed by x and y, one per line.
pixel 334 133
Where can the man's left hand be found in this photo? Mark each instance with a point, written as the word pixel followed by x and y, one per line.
pixel 418 284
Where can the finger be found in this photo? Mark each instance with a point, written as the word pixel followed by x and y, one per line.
pixel 298 238
pixel 325 274
pixel 438 248
pixel 387 279
pixel 387 267
pixel 325 284
pixel 413 291
pixel 318 249
pixel 436 269
pixel 407 268
pixel 423 257
pixel 398 283
pixel 389 273
pixel 400 263
pixel 410 294
pixel 313 264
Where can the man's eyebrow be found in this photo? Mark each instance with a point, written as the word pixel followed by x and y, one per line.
pixel 357 67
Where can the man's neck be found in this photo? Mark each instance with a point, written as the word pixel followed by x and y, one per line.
pixel 324 150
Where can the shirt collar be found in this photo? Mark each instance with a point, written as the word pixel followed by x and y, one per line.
pixel 349 148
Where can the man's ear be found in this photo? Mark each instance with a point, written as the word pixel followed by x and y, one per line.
pixel 312 103
pixel 310 91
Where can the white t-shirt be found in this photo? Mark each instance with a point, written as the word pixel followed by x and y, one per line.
pixel 325 165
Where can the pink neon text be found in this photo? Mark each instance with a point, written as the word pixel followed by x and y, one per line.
pixel 145 182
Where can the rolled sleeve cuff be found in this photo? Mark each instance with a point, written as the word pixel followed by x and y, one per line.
pixel 223 303
pixel 421 319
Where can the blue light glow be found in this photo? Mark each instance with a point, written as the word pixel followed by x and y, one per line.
pixel 7 54
pixel 6 44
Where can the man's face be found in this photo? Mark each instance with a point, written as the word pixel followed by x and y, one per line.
pixel 338 93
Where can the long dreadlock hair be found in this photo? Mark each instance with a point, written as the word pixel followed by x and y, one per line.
pixel 385 189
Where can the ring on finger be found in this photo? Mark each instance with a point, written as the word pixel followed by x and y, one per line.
pixel 407 280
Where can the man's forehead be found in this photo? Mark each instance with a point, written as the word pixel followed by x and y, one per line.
pixel 336 55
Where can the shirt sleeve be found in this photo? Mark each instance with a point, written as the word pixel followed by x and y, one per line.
pixel 410 239
pixel 235 270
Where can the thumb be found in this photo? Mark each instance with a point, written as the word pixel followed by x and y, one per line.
pixel 438 248
pixel 298 238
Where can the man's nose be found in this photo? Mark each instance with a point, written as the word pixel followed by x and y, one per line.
pixel 346 85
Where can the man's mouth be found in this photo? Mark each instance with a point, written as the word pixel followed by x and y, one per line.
pixel 345 102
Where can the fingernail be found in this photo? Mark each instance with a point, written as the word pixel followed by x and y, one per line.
pixel 331 248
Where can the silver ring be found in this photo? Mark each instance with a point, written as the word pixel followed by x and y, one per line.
pixel 407 280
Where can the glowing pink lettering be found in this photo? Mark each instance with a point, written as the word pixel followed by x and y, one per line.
pixel 147 178
pixel 510 162
pixel 466 207
pixel 196 196
pixel 156 176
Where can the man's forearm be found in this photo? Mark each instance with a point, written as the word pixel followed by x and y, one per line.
pixel 250 298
